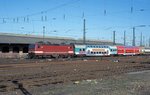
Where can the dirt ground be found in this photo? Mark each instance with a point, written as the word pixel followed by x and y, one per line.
pixel 25 76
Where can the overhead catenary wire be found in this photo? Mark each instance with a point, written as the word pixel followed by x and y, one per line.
pixel 44 11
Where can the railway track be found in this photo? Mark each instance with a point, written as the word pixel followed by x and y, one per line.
pixel 57 72
pixel 43 60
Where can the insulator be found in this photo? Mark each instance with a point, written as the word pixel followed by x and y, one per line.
pixel 45 18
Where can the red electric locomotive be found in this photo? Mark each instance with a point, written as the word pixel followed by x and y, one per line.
pixel 47 50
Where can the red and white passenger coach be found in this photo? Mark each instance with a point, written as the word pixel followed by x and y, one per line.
pixel 128 50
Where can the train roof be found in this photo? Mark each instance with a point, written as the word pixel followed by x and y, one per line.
pixel 128 46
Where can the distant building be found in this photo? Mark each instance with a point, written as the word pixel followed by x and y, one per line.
pixel 16 46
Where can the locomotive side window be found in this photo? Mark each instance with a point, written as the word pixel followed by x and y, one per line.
pixel 71 48
pixel 38 46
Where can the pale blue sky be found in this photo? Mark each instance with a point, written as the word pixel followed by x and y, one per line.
pixel 65 18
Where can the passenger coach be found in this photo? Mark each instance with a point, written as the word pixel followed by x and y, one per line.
pixel 97 50
pixel 128 50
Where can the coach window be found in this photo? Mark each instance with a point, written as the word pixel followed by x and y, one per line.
pixel 15 49
pixel 5 50
pixel 25 50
